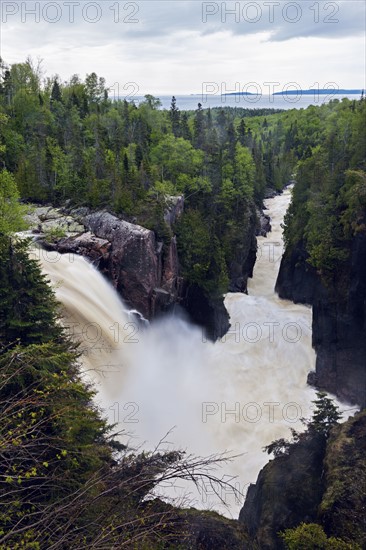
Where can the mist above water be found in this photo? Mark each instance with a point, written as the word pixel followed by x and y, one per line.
pixel 236 395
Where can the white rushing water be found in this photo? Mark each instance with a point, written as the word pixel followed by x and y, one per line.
pixel 235 395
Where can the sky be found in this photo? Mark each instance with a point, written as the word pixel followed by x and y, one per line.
pixel 183 47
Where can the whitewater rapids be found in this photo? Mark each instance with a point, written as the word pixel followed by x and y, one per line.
pixel 235 395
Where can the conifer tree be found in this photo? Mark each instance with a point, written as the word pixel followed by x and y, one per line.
pixel 175 118
pixel 185 129
pixel 56 92
pixel 242 132
pixel 199 127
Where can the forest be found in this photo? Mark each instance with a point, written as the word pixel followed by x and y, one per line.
pixel 67 141
pixel 66 481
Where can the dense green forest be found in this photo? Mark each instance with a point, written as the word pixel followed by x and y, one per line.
pixel 329 199
pixel 69 141
pixel 65 480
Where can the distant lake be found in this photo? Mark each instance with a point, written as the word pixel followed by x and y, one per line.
pixel 190 102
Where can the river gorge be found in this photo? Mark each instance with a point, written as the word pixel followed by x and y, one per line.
pixel 166 384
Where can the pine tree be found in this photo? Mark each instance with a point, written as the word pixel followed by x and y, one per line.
pixel 199 128
pixel 6 88
pixel 185 129
pixel 11 211
pixel 231 138
pixel 222 127
pixel 242 132
pixel 56 92
pixel 174 115
pixel 28 307
pixel 326 414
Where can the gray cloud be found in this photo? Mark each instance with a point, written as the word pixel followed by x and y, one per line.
pixel 161 43
pixel 148 19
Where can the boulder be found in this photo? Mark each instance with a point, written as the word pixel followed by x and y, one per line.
pixel 86 244
pixel 263 225
pixel 44 219
pixel 50 213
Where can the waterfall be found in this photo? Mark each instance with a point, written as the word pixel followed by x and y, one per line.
pixel 236 395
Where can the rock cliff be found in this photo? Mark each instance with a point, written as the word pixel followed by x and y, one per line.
pixel 244 254
pixel 144 270
pixel 319 481
pixel 288 491
pixel 339 317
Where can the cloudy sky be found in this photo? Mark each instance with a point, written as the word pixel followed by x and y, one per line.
pixel 182 47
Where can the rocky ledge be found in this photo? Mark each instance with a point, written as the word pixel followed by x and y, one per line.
pixel 143 270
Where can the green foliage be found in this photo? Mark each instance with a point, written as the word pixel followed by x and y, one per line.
pixel 282 446
pixel 176 156
pixel 51 437
pixel 353 197
pixel 203 261
pixel 70 142
pixel 28 311
pixel 310 536
pixel 11 211
pixel 325 415
pixel 329 206
pixel 245 171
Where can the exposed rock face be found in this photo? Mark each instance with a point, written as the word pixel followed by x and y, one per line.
pixel 320 481
pixel 145 273
pixel 339 318
pixel 210 531
pixel 146 279
pixel 288 491
pixel 244 256
pixel 297 279
pixel 208 313
pixel 85 244
pixel 143 270
pixel 192 529
pixel 263 225
pixel 270 193
pixel 175 207
pixel 44 219
pixel 342 510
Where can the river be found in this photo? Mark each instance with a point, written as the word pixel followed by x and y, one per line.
pixel 168 383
